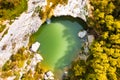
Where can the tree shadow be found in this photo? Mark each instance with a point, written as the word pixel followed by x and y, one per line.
pixel 75 43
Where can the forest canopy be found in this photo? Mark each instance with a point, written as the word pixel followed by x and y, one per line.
pixel 9 9
pixel 104 60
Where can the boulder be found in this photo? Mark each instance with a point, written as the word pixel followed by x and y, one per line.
pixel 90 39
pixel 49 76
pixel 35 46
pixel 82 34
pixel 38 57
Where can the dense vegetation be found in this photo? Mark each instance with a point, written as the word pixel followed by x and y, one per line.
pixel 14 65
pixel 9 9
pixel 104 60
pixel 36 76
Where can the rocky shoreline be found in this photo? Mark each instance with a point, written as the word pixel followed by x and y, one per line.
pixel 29 22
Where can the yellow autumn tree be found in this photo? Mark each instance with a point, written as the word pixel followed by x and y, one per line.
pixel 104 60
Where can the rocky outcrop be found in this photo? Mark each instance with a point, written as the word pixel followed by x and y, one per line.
pixel 19 32
pixel 35 47
pixel 75 8
pixel 82 34
pixel 29 22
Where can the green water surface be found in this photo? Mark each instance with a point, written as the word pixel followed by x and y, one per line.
pixel 59 41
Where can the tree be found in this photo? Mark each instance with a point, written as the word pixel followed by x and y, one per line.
pixel 13 7
pixel 104 60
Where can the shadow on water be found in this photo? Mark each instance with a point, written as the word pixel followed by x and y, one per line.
pixel 70 34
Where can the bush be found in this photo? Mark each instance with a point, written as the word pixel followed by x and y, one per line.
pixel 9 9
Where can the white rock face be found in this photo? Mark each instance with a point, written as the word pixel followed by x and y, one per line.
pixel 35 46
pixel 19 32
pixel 75 8
pixel 29 22
pixel 32 4
pixel 37 58
pixel 82 34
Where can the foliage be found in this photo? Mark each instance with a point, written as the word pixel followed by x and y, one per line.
pixel 6 74
pixel 36 76
pixel 15 62
pixel 27 76
pixel 2 27
pixel 17 74
pixel 104 60
pixel 9 9
pixel 78 68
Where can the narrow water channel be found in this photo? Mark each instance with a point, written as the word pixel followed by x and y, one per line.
pixel 60 43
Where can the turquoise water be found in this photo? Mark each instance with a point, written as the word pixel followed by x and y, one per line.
pixel 60 43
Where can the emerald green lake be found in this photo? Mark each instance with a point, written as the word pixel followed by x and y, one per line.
pixel 59 41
